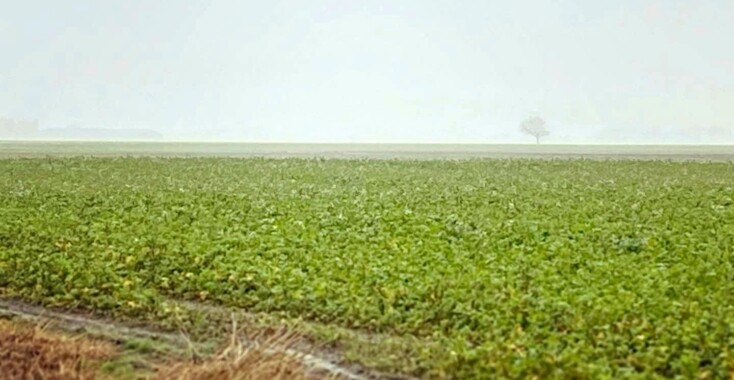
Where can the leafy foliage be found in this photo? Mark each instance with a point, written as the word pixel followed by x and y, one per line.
pixel 513 268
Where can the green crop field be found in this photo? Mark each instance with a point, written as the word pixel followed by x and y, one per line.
pixel 439 269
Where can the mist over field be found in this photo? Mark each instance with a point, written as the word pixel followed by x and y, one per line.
pixel 625 72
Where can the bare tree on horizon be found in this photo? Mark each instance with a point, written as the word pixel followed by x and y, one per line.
pixel 535 126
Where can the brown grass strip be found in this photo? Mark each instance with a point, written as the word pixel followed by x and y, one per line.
pixel 270 359
pixel 29 352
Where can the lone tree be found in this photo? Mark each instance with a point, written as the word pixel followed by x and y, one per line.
pixel 536 127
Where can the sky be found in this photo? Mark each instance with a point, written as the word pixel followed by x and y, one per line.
pixel 422 71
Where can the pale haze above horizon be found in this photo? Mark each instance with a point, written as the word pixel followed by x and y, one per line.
pixel 423 71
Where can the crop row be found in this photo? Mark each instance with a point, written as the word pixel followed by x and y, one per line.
pixel 513 267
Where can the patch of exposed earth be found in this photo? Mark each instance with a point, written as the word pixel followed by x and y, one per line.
pixel 320 361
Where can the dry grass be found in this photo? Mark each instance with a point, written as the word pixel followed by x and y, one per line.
pixel 251 364
pixel 269 359
pixel 30 352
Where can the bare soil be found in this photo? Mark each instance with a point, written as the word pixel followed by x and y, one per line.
pixel 276 354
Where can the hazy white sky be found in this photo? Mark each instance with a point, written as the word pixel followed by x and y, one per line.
pixel 374 71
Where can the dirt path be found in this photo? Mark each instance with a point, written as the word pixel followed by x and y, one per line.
pixel 176 343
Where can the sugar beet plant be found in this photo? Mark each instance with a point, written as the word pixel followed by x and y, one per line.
pixel 509 268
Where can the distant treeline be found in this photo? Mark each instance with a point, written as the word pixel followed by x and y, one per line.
pixel 12 129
